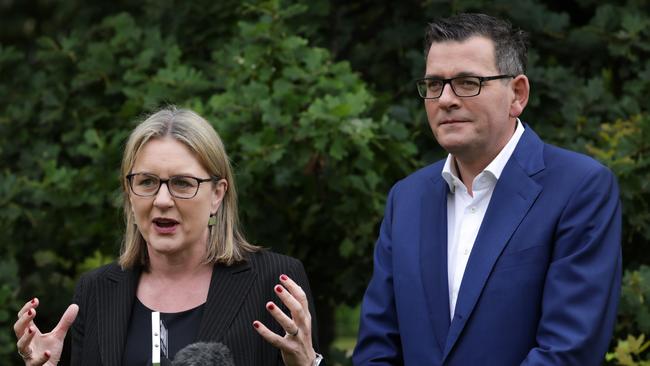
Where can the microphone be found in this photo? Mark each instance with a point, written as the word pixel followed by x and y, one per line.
pixel 204 354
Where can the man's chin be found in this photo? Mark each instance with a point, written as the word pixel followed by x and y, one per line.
pixel 452 143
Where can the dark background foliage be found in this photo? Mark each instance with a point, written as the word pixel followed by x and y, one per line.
pixel 316 105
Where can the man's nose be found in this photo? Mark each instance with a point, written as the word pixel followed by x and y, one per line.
pixel 448 98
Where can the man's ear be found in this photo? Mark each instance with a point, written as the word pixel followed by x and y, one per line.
pixel 218 193
pixel 521 91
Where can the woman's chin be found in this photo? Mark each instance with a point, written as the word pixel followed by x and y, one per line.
pixel 164 247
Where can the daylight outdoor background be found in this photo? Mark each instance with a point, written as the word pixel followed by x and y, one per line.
pixel 317 107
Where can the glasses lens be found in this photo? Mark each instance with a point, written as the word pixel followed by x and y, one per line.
pixel 430 88
pixel 183 187
pixel 466 86
pixel 145 184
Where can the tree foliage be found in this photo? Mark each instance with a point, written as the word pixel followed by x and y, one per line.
pixel 316 105
pixel 312 165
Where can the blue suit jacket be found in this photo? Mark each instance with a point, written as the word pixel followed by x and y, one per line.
pixel 542 282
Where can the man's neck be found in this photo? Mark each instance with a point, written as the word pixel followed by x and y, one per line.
pixel 469 166
pixel 467 173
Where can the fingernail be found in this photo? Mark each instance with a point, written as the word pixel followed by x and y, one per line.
pixel 47 354
pixel 34 301
pixel 30 330
pixel 284 277
pixel 29 312
pixel 278 289
pixel 270 306
pixel 256 324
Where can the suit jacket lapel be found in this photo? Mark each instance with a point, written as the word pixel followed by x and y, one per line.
pixel 115 295
pixel 229 287
pixel 433 257
pixel 117 291
pixel 513 196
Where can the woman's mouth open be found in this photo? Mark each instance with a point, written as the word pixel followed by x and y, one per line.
pixel 165 225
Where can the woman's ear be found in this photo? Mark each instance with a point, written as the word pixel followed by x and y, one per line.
pixel 131 204
pixel 218 193
pixel 521 91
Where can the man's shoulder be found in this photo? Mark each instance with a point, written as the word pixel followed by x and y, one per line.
pixel 553 158
pixel 423 177
pixel 558 159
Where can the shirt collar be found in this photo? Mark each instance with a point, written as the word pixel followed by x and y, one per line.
pixel 450 175
pixel 496 166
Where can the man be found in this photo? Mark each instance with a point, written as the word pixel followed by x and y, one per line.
pixel 507 252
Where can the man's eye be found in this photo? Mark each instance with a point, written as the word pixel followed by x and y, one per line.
pixel 467 83
pixel 434 84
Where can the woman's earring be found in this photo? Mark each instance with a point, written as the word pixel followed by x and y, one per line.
pixel 213 220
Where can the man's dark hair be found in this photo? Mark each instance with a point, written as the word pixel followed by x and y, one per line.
pixel 510 45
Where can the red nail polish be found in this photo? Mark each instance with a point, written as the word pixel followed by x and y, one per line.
pixel 29 312
pixel 270 306
pixel 34 301
pixel 256 324
pixel 284 277
pixel 30 330
pixel 278 289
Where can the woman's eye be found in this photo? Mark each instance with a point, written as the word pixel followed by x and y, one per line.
pixel 146 182
pixel 182 183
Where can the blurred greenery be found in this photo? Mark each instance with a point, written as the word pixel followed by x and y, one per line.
pixel 347 325
pixel 634 318
pixel 315 102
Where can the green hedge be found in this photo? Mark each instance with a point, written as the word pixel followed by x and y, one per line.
pixel 315 103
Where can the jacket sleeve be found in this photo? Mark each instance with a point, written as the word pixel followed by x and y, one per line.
pixel 379 339
pixel 75 337
pixel 582 285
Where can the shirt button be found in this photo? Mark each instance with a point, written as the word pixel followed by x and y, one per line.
pixel 472 209
pixel 466 252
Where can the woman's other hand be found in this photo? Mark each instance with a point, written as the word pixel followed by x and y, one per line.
pixel 296 344
pixel 38 348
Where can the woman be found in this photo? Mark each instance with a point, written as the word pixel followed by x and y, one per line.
pixel 184 258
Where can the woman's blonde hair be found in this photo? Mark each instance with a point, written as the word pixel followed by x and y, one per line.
pixel 226 243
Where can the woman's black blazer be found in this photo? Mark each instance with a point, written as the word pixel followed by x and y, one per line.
pixel 237 296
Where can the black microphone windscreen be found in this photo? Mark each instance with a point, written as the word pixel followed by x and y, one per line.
pixel 204 354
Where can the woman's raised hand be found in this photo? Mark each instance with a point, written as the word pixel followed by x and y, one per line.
pixel 295 345
pixel 38 348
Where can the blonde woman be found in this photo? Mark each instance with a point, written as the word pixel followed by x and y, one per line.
pixel 184 265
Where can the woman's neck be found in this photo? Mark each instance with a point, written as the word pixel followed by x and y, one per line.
pixel 174 287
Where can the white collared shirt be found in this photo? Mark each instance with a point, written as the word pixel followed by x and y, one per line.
pixel 465 213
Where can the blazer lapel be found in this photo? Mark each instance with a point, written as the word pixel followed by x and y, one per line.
pixel 511 200
pixel 433 257
pixel 229 287
pixel 115 295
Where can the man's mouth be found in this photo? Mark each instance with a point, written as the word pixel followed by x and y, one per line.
pixel 450 121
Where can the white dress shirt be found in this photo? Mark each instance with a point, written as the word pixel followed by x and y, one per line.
pixel 465 212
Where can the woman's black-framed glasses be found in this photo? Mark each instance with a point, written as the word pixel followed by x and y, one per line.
pixel 462 86
pixel 179 186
